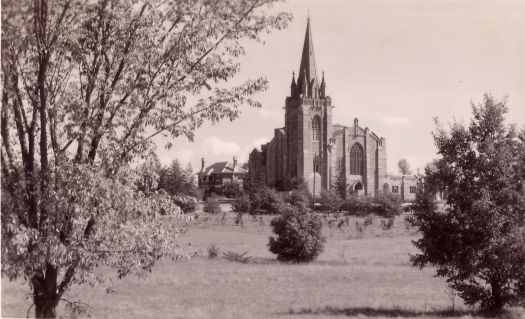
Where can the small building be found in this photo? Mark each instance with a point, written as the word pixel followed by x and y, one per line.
pixel 213 178
pixel 403 186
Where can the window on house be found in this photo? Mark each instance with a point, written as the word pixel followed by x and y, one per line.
pixel 413 189
pixel 316 128
pixel 395 189
pixel 357 160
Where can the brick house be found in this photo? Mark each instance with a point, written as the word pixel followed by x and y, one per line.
pixel 214 177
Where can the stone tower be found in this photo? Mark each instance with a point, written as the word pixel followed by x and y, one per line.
pixel 308 122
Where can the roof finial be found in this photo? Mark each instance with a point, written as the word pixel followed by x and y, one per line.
pixel 308 14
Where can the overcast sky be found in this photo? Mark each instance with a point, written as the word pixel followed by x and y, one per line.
pixel 393 64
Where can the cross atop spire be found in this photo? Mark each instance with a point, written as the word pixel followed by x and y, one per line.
pixel 307 69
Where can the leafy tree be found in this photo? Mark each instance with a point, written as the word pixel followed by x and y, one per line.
pixel 299 235
pixel 86 86
pixel 474 244
pixel 404 167
pixel 339 183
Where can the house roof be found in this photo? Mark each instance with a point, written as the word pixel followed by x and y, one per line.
pixel 223 167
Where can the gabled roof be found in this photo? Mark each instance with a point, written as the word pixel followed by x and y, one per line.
pixel 223 167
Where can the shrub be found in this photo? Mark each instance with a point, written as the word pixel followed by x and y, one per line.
pixel 329 201
pixel 269 198
pixel 236 257
pixel 299 235
pixel 264 198
pixel 232 190
pixel 299 198
pixel 354 206
pixel 212 206
pixel 187 203
pixel 387 224
pixel 242 204
pixel 368 221
pixel 386 205
pixel 213 251
pixel 239 220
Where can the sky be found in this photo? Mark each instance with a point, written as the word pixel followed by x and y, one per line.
pixel 394 64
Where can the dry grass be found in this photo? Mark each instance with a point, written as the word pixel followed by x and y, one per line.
pixel 368 276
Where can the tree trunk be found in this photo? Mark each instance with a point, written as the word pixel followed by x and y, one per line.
pixel 497 299
pixel 45 295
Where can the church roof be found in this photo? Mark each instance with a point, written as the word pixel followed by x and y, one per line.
pixel 222 167
pixel 307 69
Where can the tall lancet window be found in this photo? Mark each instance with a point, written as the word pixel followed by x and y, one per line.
pixel 316 128
pixel 357 160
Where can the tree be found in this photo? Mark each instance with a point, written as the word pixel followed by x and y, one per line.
pixel 474 244
pixel 339 182
pixel 299 234
pixel 86 86
pixel 404 167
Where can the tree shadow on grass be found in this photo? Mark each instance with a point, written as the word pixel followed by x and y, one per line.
pixel 379 312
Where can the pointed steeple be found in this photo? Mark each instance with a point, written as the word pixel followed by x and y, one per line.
pixel 293 86
pixel 307 69
pixel 322 88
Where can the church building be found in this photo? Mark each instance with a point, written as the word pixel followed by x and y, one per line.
pixel 312 148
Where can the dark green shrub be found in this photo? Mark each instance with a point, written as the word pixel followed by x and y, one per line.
pixel 264 198
pixel 386 205
pixel 232 190
pixel 242 204
pixel 329 201
pixel 212 206
pixel 387 224
pixel 354 206
pixel 299 235
pixel 239 221
pixel 269 198
pixel 298 197
pixel 213 251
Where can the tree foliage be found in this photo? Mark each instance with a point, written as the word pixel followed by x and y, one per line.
pixel 404 167
pixel 299 237
pixel 339 185
pixel 86 86
pixel 475 243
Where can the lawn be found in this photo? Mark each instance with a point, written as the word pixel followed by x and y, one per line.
pixel 367 275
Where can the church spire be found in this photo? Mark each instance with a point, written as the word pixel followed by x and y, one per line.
pixel 322 88
pixel 307 69
pixel 293 86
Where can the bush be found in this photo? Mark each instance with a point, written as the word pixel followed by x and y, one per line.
pixel 213 251
pixel 236 257
pixel 329 201
pixel 299 198
pixel 354 206
pixel 242 204
pixel 385 205
pixel 387 224
pixel 232 190
pixel 212 206
pixel 187 203
pixel 264 198
pixel 239 221
pixel 299 235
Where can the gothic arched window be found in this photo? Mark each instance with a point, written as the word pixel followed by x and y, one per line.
pixel 357 160
pixel 316 128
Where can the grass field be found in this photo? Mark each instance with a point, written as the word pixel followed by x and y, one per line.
pixel 366 275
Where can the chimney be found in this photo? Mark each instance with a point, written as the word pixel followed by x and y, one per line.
pixel 234 163
pixel 202 162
